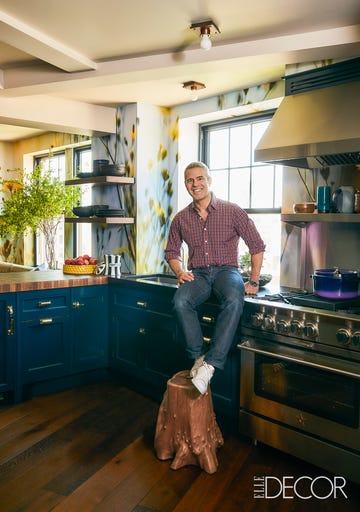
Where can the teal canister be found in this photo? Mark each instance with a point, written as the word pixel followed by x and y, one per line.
pixel 323 199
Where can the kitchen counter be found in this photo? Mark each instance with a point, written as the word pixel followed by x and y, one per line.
pixel 44 280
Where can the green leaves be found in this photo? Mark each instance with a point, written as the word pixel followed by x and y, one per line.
pixel 40 196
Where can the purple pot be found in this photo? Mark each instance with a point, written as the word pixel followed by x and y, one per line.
pixel 335 283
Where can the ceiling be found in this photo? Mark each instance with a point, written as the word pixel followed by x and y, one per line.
pixel 115 52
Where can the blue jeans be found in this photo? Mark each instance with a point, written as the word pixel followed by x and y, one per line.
pixel 227 285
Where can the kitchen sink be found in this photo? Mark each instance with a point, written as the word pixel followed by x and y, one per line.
pixel 160 279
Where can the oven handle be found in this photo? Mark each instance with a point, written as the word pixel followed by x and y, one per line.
pixel 315 360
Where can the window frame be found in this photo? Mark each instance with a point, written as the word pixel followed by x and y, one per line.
pixel 204 147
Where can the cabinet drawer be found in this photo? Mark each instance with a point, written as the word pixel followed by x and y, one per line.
pixel 36 304
pixel 160 302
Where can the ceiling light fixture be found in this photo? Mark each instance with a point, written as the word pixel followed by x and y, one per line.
pixel 193 87
pixel 205 29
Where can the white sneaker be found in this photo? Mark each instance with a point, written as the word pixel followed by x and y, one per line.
pixel 203 377
pixel 198 362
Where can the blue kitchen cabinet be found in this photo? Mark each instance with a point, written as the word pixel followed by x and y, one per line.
pixel 44 335
pixel 8 340
pixel 89 328
pixel 143 341
pixel 147 347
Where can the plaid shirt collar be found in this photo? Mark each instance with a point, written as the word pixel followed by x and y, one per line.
pixel 212 205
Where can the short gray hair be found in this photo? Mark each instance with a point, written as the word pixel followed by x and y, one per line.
pixel 193 165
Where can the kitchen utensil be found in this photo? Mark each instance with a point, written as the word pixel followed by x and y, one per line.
pixel 304 207
pixel 336 283
pixel 343 199
pixel 323 199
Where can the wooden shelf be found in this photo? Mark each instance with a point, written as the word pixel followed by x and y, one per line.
pixel 302 219
pixel 101 180
pixel 100 220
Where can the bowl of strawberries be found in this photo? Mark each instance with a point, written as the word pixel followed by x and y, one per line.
pixel 84 264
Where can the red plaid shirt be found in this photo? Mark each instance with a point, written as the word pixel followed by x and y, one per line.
pixel 213 242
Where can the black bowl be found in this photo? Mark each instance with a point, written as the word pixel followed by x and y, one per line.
pixel 99 207
pixel 83 211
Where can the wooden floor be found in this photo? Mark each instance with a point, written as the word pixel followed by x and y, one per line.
pixel 91 449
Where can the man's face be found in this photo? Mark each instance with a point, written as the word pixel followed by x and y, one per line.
pixel 197 183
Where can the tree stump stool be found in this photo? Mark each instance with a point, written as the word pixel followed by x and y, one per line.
pixel 186 428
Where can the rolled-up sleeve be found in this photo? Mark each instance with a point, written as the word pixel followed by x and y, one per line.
pixel 174 243
pixel 250 234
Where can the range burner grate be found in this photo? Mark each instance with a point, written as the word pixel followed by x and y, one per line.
pixel 308 299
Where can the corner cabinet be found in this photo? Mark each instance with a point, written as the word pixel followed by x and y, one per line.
pixel 8 340
pixel 101 180
pixel 89 328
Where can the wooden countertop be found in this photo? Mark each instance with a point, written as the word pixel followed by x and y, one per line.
pixel 45 280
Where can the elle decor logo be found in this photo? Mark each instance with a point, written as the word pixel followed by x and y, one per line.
pixel 303 487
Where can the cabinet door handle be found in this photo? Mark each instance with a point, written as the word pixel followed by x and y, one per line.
pixel 46 321
pixel 208 319
pixel 44 303
pixel 10 311
pixel 207 340
pixel 142 330
pixel 141 304
pixel 77 304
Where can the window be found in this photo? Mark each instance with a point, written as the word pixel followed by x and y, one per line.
pixel 83 237
pixel 228 150
pixel 76 238
pixel 56 165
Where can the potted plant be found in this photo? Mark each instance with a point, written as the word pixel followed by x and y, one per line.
pixel 36 201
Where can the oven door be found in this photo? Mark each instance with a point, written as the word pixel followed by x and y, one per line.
pixel 304 390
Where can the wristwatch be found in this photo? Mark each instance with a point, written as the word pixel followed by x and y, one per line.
pixel 254 284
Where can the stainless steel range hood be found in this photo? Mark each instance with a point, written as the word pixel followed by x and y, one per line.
pixel 315 129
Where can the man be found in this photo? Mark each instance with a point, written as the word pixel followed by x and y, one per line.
pixel 211 228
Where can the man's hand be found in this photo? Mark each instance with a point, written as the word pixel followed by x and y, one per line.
pixel 185 276
pixel 250 290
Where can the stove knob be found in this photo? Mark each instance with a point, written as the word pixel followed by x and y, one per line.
pixel 310 330
pixel 269 322
pixel 296 327
pixel 256 319
pixel 356 338
pixel 282 326
pixel 344 336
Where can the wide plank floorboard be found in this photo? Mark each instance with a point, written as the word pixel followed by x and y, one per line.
pixel 91 449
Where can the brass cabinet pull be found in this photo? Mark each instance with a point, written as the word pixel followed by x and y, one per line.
pixel 141 304
pixel 142 330
pixel 10 311
pixel 207 340
pixel 77 304
pixel 44 303
pixel 208 319
pixel 46 321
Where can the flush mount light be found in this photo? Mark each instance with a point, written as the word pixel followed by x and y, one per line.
pixel 205 29
pixel 193 87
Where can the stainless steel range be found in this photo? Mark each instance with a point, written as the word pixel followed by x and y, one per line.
pixel 300 378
